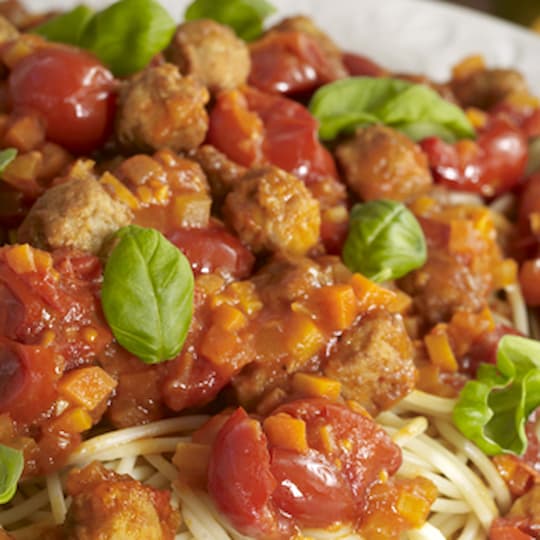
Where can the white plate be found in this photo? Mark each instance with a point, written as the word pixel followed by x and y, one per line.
pixel 421 36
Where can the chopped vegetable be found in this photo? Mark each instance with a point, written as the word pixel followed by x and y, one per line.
pixel 147 294
pixel 11 468
pixel 6 157
pixel 414 109
pixel 67 27
pixel 245 17
pixel 492 410
pixel 385 241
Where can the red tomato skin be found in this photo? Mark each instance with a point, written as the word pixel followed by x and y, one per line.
pixel 311 489
pixel 212 249
pixel 28 377
pixel 239 478
pixel 504 529
pixel 289 62
pixel 491 165
pixel 71 91
pixel 363 448
pixel 361 66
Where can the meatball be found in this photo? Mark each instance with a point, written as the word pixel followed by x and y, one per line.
pixel 382 163
pixel 222 173
pixel 272 210
pixel 78 213
pixel 373 360
pixel 487 87
pixel 110 506
pixel 212 53
pixel 444 285
pixel 158 108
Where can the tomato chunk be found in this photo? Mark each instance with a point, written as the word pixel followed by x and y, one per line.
pixel 71 91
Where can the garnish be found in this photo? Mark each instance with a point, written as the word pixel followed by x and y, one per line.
pixel 11 468
pixel 6 157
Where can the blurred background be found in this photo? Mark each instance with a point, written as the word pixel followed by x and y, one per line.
pixel 525 12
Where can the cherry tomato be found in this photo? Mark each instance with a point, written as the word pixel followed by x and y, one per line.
pixel 27 371
pixel 491 165
pixel 252 128
pixel 358 65
pixel 289 63
pixel 239 477
pixel 71 91
pixel 214 249
pixel 506 529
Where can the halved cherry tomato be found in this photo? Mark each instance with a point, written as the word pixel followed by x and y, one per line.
pixel 252 128
pixel 491 165
pixel 71 91
pixel 506 529
pixel 289 63
pixel 214 249
pixel 360 65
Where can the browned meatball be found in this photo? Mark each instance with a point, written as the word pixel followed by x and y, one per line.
pixel 382 163
pixel 272 210
pixel 444 285
pixel 77 214
pixel 109 506
pixel 222 173
pixel 487 87
pixel 212 53
pixel 373 361
pixel 301 23
pixel 158 108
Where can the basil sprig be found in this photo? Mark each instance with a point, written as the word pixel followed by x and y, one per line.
pixel 6 157
pixel 245 17
pixel 385 241
pixel 493 409
pixel 414 109
pixel 125 36
pixel 11 468
pixel 147 294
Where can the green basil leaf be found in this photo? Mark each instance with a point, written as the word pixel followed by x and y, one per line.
pixel 67 27
pixel 126 35
pixel 493 409
pixel 147 294
pixel 385 241
pixel 415 109
pixel 6 157
pixel 245 17
pixel 11 468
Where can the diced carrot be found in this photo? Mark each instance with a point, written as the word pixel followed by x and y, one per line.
pixel 327 438
pixel 20 258
pixel 335 306
pixel 192 209
pixel 22 173
pixel 43 261
pixel 191 460
pixel 422 205
pixel 87 386
pixel 55 160
pixel 308 384
pixel 370 294
pixel 24 132
pixel 440 352
pixel 468 65
pixel 477 117
pixel 145 194
pixel 229 318
pixel 74 420
pixel 286 432
pixel 224 349
pixel 415 499
pixel 119 190
pixel 139 169
pixel 505 273
pixel 303 338
pixel 462 236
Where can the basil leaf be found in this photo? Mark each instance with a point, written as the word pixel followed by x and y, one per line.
pixel 11 468
pixel 67 27
pixel 493 409
pixel 6 157
pixel 126 35
pixel 147 294
pixel 245 17
pixel 415 109
pixel 385 241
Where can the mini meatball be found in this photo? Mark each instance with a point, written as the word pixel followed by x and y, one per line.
pixel 110 506
pixel 212 53
pixel 373 360
pixel 487 87
pixel 272 210
pixel 382 163
pixel 222 173
pixel 443 286
pixel 78 213
pixel 158 108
